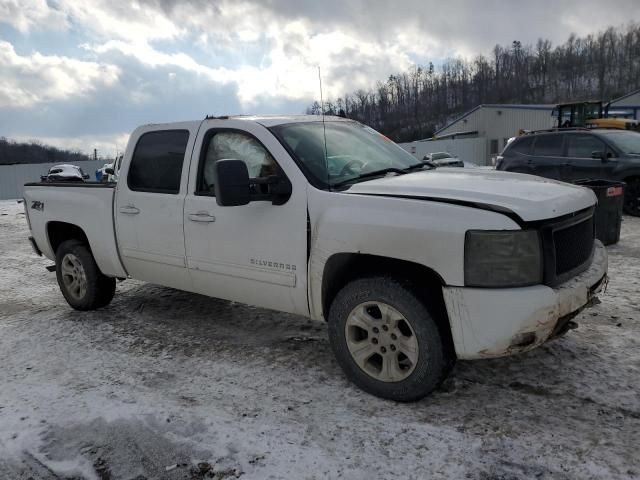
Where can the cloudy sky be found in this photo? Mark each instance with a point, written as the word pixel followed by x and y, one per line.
pixel 83 73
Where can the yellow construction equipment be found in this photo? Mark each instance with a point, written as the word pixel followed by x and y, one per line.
pixel 590 114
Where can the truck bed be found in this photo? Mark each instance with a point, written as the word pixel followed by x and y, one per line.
pixel 87 205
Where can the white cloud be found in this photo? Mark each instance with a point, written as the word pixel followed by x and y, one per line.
pixel 357 43
pixel 33 79
pixel 148 57
pixel 23 15
pixel 289 68
pixel 115 19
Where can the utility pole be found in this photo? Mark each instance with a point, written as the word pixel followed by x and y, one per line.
pixel 95 154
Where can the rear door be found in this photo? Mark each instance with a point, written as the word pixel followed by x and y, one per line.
pixel 517 156
pixel 255 253
pixel 583 166
pixel 149 204
pixel 548 159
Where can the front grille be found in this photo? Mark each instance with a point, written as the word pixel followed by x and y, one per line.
pixel 573 245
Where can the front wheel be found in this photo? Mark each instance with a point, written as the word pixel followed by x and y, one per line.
pixel 632 198
pixel 81 282
pixel 386 340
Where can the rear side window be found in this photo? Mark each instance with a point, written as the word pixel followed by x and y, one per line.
pixel 157 161
pixel 582 146
pixel 548 146
pixel 522 145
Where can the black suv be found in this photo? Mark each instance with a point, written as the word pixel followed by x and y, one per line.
pixel 579 154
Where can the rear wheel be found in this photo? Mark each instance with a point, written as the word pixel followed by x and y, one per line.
pixel 386 340
pixel 81 282
pixel 632 197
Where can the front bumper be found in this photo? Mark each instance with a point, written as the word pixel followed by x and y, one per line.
pixel 487 322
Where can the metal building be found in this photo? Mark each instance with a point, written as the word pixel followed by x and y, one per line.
pixel 626 106
pixel 13 177
pixel 483 132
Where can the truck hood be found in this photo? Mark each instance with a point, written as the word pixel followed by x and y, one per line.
pixel 531 198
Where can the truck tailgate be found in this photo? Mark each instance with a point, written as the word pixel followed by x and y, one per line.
pixel 88 206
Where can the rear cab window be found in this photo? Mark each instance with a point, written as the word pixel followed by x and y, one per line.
pixel 156 165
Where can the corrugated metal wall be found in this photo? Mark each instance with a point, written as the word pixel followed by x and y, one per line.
pixel 470 149
pixel 495 125
pixel 13 177
pixel 502 122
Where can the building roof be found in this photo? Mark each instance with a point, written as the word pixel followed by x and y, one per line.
pixel 625 96
pixel 498 105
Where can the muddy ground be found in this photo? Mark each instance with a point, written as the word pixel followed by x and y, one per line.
pixel 164 384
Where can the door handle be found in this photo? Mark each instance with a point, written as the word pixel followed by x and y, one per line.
pixel 201 217
pixel 129 210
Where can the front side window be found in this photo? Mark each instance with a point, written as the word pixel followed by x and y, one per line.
pixel 338 151
pixel 225 145
pixel 157 162
pixel 628 142
pixel 548 146
pixel 582 146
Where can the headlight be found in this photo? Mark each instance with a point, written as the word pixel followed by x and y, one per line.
pixel 504 258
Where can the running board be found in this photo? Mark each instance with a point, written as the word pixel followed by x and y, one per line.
pixel 51 268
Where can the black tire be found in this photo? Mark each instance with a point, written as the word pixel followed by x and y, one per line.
pixel 632 197
pixel 434 357
pixel 98 289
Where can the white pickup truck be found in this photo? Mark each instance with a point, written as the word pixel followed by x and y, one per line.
pixel 412 267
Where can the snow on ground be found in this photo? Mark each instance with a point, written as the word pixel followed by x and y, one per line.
pixel 167 384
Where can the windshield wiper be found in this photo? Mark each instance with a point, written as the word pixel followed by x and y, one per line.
pixel 421 165
pixel 375 173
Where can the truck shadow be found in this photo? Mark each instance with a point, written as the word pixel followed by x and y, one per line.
pixel 280 367
pixel 162 319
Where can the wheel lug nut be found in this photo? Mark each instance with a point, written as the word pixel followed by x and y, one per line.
pixel 393 348
pixel 393 336
pixel 374 341
pixel 385 328
pixel 383 350
pixel 375 330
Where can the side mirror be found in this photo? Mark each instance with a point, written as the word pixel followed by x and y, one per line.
pixel 599 154
pixel 109 171
pixel 231 180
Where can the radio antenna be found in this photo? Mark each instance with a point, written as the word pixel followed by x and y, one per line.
pixel 324 130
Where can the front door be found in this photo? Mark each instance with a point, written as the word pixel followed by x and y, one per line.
pixel 583 166
pixel 255 253
pixel 149 205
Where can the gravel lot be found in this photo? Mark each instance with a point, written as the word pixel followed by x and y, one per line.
pixel 167 384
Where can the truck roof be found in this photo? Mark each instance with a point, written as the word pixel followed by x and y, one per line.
pixel 271 120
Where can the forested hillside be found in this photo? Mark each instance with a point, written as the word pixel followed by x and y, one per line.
pixel 412 105
pixel 13 152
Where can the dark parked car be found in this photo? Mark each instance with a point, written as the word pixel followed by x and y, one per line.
pixel 579 154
